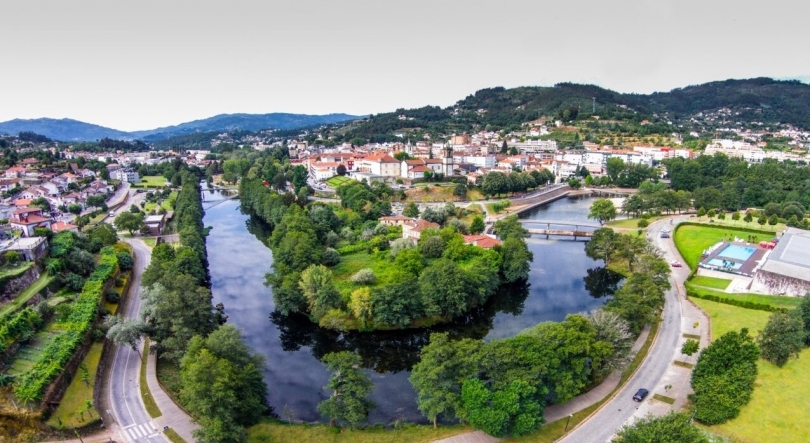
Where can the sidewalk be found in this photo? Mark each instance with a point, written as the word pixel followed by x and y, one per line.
pixel 173 416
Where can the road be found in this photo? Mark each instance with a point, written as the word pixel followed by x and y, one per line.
pixel 134 423
pixel 603 425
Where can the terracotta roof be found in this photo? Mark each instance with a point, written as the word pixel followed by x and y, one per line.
pixel 62 226
pixel 22 202
pixel 481 240
pixel 32 220
pixel 27 210
pixel 419 169
pixel 420 225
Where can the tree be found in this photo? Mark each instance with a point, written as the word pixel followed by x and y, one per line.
pixel 75 208
pixel 610 328
pixel 604 242
pixel 431 247
pixel 319 290
pixel 350 388
pixel 97 201
pixel 690 347
pixel 672 428
pixel 516 259
pixel 510 227
pixel 748 217
pixel 410 210
pixel 804 312
pixel 783 337
pixel 460 190
pixel 361 305
pixel 129 222
pixel 724 376
pixel 735 216
pixel 762 220
pixel 125 331
pixel 701 212
pixel 440 372
pixel 477 226
pixel 512 410
pixel 602 210
pixel 773 220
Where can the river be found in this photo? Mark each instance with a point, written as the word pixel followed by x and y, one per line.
pixel 295 377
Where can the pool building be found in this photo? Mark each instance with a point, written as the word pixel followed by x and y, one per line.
pixel 786 270
pixel 733 257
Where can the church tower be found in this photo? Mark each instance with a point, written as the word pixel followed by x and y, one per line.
pixel 447 161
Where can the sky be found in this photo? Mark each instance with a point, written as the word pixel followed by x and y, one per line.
pixel 135 65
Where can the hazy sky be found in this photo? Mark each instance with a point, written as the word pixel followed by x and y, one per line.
pixel 135 65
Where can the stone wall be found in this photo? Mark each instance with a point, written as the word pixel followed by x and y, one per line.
pixel 13 287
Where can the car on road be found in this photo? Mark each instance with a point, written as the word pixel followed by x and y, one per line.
pixel 640 394
pixel 676 264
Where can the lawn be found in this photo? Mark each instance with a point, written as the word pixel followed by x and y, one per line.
pixel 725 318
pixel 632 223
pixel 776 301
pixel 274 431
pixel 15 271
pixel 26 295
pixel 337 181
pixel 692 240
pixel 780 407
pixel 27 356
pixel 710 282
pixel 78 393
pixel 151 181
pixel 351 263
pixel 151 242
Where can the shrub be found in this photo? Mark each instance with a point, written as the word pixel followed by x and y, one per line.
pixel 112 296
pixel 125 261
pixel 643 223
pixel 74 282
pixel 432 247
pixel 364 277
pixel 330 257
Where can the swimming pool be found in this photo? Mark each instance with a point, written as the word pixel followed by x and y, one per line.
pixel 727 265
pixel 737 252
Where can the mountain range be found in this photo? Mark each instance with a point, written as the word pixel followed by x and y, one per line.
pixel 73 130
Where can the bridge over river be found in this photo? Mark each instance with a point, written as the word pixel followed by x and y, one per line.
pixel 582 231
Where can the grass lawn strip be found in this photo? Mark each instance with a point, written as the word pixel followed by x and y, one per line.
pixel 173 436
pixel 26 295
pixel 272 431
pixel 692 336
pixel 683 364
pixel 692 240
pixel 31 353
pixel 632 223
pixel 664 398
pixel 148 400
pixel 710 282
pixel 780 406
pixel 77 394
pixel 151 181
pixel 777 301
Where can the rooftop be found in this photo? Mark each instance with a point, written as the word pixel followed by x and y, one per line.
pixel 791 257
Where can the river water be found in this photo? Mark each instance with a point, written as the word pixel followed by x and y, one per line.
pixel 295 377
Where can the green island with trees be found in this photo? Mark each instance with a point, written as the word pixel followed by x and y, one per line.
pixel 347 270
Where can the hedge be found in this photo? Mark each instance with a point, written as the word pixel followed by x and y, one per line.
pixel 25 322
pixel 738 303
pixel 29 386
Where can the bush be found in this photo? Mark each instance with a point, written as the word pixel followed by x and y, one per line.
pixel 125 261
pixel 74 282
pixel 732 302
pixel 643 223
pixel 112 296
pixel 330 257
pixel 364 277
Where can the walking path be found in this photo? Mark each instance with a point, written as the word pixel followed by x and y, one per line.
pixel 173 416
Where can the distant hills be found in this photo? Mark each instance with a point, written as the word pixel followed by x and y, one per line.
pixel 753 100
pixel 74 130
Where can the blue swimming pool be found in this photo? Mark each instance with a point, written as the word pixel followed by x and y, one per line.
pixel 727 265
pixel 737 252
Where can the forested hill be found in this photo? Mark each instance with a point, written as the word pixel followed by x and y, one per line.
pixel 756 100
pixel 61 129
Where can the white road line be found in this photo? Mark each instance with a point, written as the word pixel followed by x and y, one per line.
pixel 132 434
pixel 137 430
pixel 145 429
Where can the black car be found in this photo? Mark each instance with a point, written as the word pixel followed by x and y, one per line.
pixel 640 394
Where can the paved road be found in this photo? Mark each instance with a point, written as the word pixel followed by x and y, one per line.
pixel 134 423
pixel 603 425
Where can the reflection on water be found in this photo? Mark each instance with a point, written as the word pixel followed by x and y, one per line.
pixel 560 283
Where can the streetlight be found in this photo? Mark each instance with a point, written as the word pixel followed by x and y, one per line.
pixel 568 421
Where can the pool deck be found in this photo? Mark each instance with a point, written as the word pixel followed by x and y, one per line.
pixel 747 266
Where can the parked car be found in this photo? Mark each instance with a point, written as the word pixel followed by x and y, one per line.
pixel 676 264
pixel 640 394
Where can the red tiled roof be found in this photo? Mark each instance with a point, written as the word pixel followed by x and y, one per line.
pixel 481 240
pixel 32 220
pixel 62 226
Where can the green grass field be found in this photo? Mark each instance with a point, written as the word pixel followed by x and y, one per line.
pixel 77 395
pixel 776 301
pixel 337 181
pixel 725 318
pixel 692 240
pixel 710 282
pixel 631 223
pixel 26 295
pixel 275 431
pixel 151 242
pixel 351 263
pixel 780 407
pixel 151 181
pixel 29 354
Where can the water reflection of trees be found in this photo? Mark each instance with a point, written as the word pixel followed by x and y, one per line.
pixel 394 351
pixel 601 282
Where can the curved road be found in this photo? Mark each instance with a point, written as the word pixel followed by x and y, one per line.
pixel 134 423
pixel 603 425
